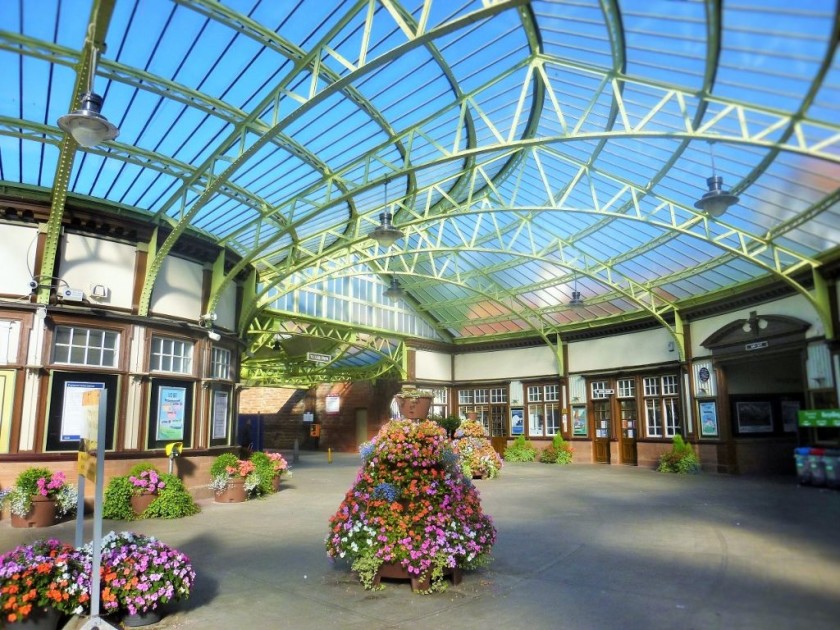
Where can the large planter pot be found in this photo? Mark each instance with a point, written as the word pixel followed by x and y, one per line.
pixel 138 620
pixel 275 483
pixel 414 408
pixel 139 502
pixel 395 571
pixel 38 619
pixel 41 514
pixel 234 492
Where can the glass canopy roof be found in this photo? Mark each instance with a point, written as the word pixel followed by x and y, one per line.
pixel 527 150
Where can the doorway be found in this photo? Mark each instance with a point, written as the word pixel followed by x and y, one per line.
pixel 602 417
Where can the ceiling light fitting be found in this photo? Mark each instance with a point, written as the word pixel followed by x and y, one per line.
pixel 716 201
pixel 576 299
pixel 87 126
pixel 386 234
pixel 394 292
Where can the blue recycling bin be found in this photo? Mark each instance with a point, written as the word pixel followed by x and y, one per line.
pixel 831 463
pixel 817 466
pixel 803 464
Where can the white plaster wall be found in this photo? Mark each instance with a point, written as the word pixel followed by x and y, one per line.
pixel 435 366
pixel 177 289
pixel 226 308
pixel 641 348
pixel 794 306
pixel 85 261
pixel 499 364
pixel 17 253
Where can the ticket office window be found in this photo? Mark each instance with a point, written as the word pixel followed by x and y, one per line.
pixel 543 410
pixel 661 406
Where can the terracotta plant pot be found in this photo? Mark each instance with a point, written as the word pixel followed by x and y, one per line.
pixel 414 408
pixel 234 492
pixel 275 483
pixel 41 514
pixel 139 502
pixel 395 571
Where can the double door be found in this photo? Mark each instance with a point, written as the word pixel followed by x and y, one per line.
pixel 615 429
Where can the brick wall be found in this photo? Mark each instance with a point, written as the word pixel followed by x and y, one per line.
pixel 282 409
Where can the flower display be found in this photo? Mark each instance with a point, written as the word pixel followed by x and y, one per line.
pixel 147 482
pixel 43 574
pixel 227 467
pixel 139 573
pixel 41 481
pixel 478 457
pixel 278 462
pixel 411 504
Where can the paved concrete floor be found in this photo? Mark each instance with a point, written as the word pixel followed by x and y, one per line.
pixel 579 547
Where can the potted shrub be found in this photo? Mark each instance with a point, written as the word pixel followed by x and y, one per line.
pixel 478 457
pixel 558 452
pixel 450 424
pixel 39 496
pixel 681 459
pixel 411 513
pixel 173 500
pixel 270 468
pixel 414 403
pixel 138 574
pixel 40 581
pixel 233 479
pixel 520 450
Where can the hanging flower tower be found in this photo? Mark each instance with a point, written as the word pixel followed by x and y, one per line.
pixel 411 508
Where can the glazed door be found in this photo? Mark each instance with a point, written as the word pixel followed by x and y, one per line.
pixel 602 419
pixel 629 430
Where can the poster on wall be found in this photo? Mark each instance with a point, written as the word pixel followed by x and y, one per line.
pixel 171 405
pixel 708 419
pixel 220 414
pixel 73 416
pixel 517 420
pixel 579 421
pixel 754 417
pixel 333 404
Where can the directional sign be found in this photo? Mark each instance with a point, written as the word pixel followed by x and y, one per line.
pixel 318 358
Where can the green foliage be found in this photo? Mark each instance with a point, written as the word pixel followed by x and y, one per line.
pixel 681 459
pixel 559 452
pixel 520 451
pixel 221 463
pixel 140 467
pixel 265 472
pixel 450 424
pixel 174 501
pixel 117 504
pixel 27 481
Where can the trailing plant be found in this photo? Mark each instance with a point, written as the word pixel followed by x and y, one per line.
pixel 416 393
pixel 558 452
pixel 173 501
pixel 117 504
pixel 264 468
pixel 681 459
pixel 365 566
pixel 521 450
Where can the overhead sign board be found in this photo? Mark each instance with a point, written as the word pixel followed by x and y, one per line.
pixel 317 357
